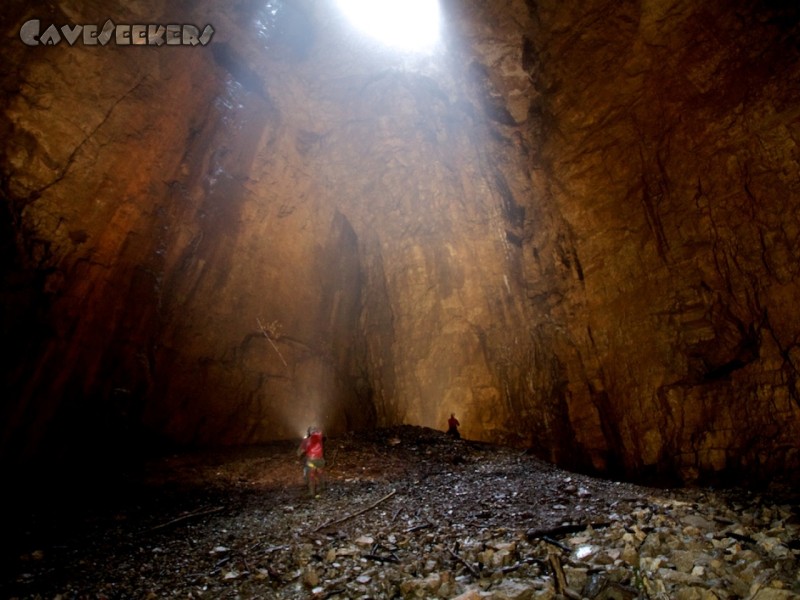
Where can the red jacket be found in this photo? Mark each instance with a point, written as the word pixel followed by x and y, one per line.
pixel 312 445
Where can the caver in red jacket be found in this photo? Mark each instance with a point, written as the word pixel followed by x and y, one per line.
pixel 311 445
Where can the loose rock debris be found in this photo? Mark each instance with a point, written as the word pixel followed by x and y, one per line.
pixel 407 513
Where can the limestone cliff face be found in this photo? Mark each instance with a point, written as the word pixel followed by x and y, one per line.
pixel 670 157
pixel 575 226
pixel 173 268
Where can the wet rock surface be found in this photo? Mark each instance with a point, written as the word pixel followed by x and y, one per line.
pixel 407 513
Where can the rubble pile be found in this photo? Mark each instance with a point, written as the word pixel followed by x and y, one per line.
pixel 410 513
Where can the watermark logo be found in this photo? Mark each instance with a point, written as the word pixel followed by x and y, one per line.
pixel 32 34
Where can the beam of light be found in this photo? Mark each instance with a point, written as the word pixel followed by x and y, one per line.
pixel 409 25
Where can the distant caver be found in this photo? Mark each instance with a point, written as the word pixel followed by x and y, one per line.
pixel 312 451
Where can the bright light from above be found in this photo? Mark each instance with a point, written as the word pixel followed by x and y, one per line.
pixel 411 25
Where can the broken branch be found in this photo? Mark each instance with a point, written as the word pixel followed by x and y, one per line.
pixel 199 513
pixel 361 512
pixel 269 333
pixel 526 561
pixel 418 527
pixel 556 543
pixel 470 568
pixel 382 559
pixel 333 460
pixel 563 530
pixel 561 579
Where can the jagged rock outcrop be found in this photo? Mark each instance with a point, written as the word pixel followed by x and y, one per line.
pixel 575 226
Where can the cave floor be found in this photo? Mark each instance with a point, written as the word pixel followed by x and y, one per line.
pixel 407 513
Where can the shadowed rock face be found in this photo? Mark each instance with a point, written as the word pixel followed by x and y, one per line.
pixel 575 226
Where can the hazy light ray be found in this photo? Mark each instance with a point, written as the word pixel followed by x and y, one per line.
pixel 411 25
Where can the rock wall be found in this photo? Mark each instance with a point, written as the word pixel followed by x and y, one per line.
pixel 575 226
pixel 174 275
pixel 670 160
